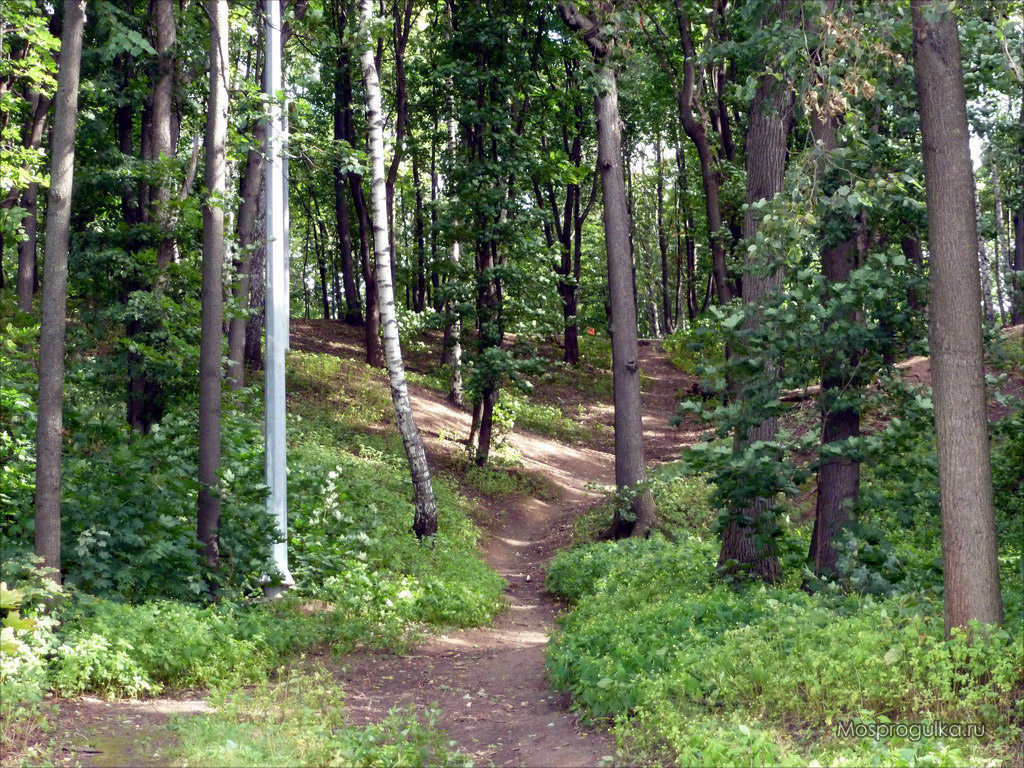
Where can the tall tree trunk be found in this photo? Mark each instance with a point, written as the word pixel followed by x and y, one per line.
pixel 1002 250
pixel 250 187
pixel 630 467
pixel 52 337
pixel 985 272
pixel 28 276
pixel 257 301
pixel 425 521
pixel 451 351
pixel 747 543
pixel 666 293
pixel 166 36
pixel 27 248
pixel 371 326
pixel 420 289
pixel 698 134
pixel 211 339
pixel 969 549
pixel 838 479
pixel 342 132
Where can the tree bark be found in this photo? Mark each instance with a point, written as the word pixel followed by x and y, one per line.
pixel 425 520
pixel 697 132
pixel 630 467
pixel 451 351
pixel 1016 277
pixel 748 543
pixel 838 477
pixel 969 548
pixel 1002 250
pixel 342 108
pixel 211 339
pixel 28 278
pixel 52 336
pixel 666 294
pixel 250 188
pixel 165 36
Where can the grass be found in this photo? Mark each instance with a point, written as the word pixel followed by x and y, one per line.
pixel 300 719
pixel 363 580
pixel 694 671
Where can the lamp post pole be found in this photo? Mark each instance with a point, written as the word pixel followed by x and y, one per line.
pixel 277 300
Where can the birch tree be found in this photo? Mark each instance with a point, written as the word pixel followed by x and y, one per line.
pixel 425 521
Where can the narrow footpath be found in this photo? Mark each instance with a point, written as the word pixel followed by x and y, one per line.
pixel 490 683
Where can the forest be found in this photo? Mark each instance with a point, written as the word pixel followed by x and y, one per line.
pixel 511 382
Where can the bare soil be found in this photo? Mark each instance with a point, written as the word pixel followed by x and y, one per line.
pixel 489 683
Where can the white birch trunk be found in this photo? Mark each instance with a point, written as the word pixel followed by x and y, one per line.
pixel 425 522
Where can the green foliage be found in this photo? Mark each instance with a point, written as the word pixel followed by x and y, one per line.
pixel 28 636
pixel 697 344
pixel 115 649
pixel 300 720
pixel 686 665
pixel 351 511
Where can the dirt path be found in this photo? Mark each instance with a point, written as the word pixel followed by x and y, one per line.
pixel 490 683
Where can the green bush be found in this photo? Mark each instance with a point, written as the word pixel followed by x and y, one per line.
pixel 351 541
pixel 701 342
pixel 686 665
pixel 115 649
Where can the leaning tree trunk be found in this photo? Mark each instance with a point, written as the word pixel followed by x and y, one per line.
pixel 630 467
pixel 425 521
pixel 969 548
pixel 208 520
pixel 52 337
pixel 747 543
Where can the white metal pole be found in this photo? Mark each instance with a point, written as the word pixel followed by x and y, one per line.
pixel 277 304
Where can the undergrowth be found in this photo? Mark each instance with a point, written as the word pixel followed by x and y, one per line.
pixel 695 671
pixel 300 719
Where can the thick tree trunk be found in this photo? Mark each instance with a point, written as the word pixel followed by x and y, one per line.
pixel 425 521
pixel 969 549
pixel 838 479
pixel 630 467
pixel 747 543
pixel 838 476
pixel 211 340
pixel 52 337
